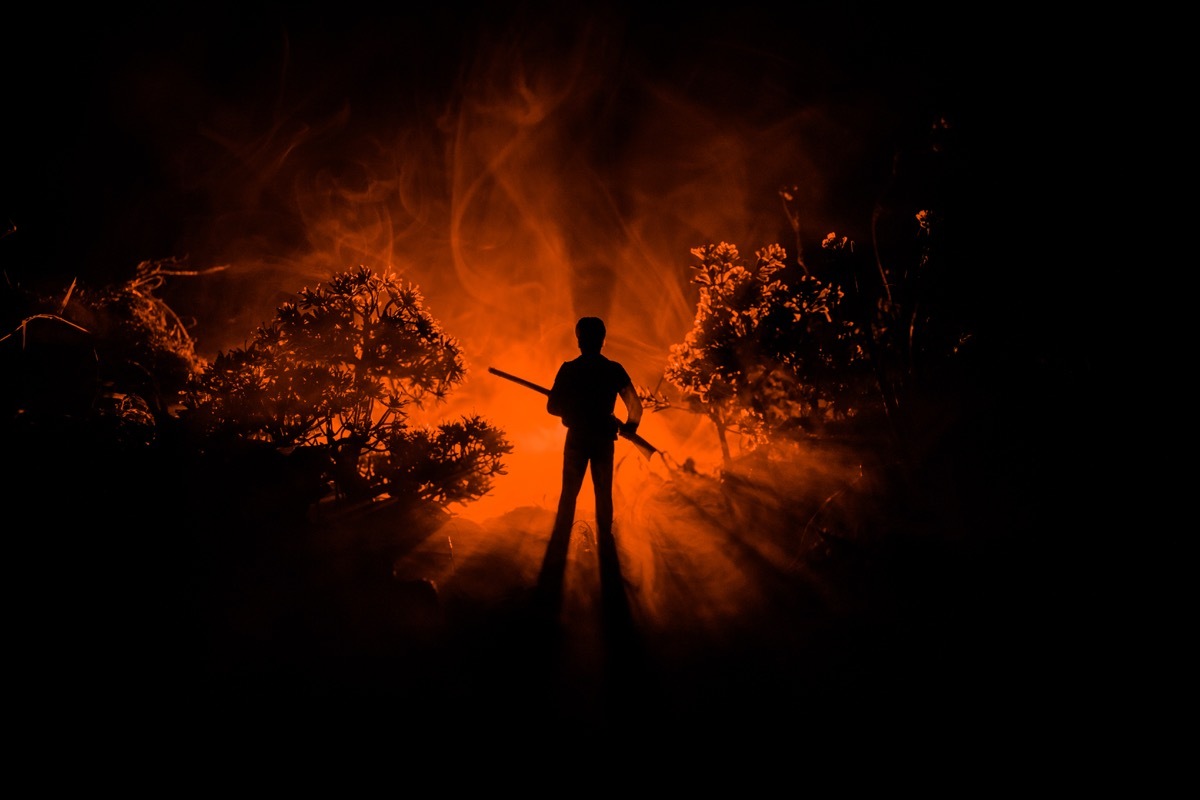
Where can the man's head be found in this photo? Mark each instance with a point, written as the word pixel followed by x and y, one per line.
pixel 590 333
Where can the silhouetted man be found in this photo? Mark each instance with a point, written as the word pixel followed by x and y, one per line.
pixel 584 394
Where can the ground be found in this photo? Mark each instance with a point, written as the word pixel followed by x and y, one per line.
pixel 808 596
pixel 721 605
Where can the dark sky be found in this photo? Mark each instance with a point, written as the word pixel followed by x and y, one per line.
pixel 112 120
pixel 203 133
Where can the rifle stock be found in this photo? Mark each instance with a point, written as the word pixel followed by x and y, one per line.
pixel 644 447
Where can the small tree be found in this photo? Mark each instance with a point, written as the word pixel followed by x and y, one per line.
pixel 768 352
pixel 113 358
pixel 339 369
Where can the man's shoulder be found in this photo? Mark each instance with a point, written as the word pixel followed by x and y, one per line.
pixel 589 361
pixel 595 358
pixel 594 364
pixel 616 366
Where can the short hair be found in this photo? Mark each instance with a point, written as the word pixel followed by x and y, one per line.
pixel 590 333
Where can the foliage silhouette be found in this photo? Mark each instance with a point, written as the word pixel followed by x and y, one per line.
pixel 111 358
pixel 779 350
pixel 338 370
pixel 770 352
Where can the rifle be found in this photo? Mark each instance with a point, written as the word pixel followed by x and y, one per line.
pixel 644 447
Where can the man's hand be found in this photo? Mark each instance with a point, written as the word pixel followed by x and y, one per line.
pixel 629 428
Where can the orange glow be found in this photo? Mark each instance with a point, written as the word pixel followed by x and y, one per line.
pixel 525 165
pixel 517 210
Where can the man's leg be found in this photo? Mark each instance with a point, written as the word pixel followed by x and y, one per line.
pixel 602 483
pixel 574 466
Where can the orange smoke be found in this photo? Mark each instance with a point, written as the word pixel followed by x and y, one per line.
pixel 560 177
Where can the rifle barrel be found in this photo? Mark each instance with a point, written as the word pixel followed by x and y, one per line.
pixel 522 381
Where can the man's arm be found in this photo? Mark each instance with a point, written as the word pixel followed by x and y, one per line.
pixel 554 401
pixel 633 408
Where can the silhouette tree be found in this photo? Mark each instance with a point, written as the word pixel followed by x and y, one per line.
pixel 770 353
pixel 339 369
pixel 112 359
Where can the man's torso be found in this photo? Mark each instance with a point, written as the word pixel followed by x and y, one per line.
pixel 585 390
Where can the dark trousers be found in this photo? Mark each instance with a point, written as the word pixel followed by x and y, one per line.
pixel 581 451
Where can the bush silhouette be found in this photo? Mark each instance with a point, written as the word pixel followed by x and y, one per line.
pixel 338 370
